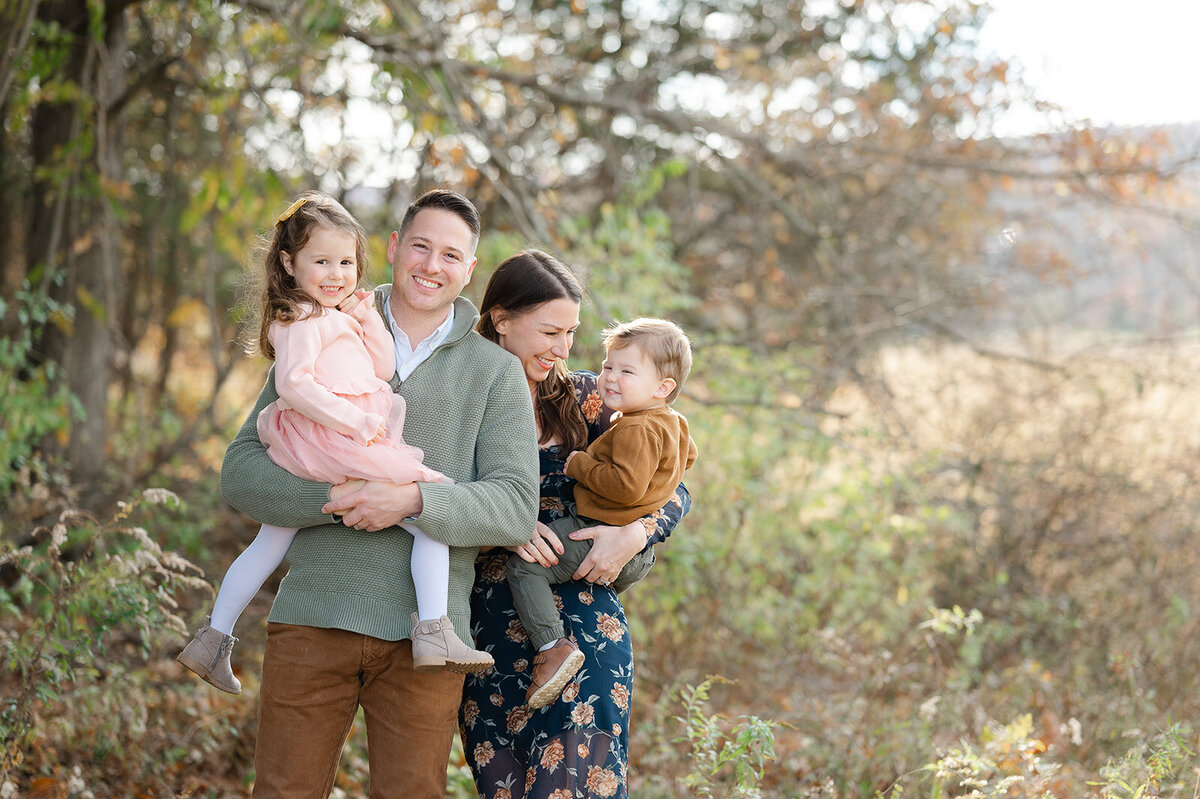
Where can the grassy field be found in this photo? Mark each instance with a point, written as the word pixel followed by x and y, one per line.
pixel 979 576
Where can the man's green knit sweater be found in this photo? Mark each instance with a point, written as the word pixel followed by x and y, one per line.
pixel 469 409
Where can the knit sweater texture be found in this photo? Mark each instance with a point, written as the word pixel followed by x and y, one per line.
pixel 469 409
pixel 634 468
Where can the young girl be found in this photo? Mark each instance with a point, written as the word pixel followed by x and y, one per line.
pixel 336 419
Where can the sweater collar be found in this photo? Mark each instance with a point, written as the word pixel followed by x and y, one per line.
pixel 644 412
pixel 465 313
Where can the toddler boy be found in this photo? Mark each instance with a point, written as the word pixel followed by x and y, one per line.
pixel 627 473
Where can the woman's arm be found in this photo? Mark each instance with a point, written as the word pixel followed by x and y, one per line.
pixel 613 547
pixel 663 521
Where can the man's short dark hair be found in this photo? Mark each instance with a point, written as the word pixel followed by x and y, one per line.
pixel 445 200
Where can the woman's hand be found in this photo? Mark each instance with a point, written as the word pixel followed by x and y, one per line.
pixel 543 549
pixel 370 505
pixel 612 548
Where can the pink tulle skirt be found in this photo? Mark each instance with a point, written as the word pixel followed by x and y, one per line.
pixel 315 452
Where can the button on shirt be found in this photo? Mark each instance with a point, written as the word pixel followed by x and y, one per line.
pixel 408 357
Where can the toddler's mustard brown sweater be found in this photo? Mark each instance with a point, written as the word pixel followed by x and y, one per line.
pixel 634 468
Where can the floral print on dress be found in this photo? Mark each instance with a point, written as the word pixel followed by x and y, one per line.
pixel 577 746
pixel 610 626
pixel 592 407
pixel 602 782
pixel 552 755
pixel 484 753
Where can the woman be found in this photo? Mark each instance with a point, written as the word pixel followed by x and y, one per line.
pixel 531 308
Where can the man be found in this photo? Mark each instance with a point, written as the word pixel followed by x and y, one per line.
pixel 338 634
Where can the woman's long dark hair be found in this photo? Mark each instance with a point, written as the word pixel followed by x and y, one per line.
pixel 520 284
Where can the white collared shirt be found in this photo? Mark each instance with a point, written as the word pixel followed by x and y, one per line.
pixel 408 357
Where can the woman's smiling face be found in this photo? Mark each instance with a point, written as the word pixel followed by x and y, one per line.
pixel 539 337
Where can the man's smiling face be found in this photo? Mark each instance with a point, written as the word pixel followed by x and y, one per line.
pixel 431 263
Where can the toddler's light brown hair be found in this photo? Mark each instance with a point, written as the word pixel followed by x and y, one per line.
pixel 664 343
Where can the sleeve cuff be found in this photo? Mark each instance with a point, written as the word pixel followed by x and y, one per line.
pixel 435 502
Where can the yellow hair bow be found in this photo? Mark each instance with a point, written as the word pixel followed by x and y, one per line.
pixel 292 209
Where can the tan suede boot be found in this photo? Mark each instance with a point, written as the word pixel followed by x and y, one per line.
pixel 436 647
pixel 207 654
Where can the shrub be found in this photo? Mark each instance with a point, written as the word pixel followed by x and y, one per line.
pixel 82 606
pixel 36 403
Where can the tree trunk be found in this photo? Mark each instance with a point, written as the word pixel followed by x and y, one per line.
pixel 11 211
pixel 74 240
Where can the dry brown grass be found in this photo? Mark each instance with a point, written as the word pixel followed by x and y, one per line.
pixel 1059 498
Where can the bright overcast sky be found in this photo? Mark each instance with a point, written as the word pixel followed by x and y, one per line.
pixel 1111 61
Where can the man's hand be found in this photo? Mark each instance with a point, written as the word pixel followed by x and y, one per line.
pixel 373 505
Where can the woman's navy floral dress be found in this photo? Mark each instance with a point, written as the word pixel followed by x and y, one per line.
pixel 577 746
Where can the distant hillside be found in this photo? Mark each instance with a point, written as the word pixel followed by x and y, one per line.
pixel 1092 263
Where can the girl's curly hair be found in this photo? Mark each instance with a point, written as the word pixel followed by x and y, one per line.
pixel 278 298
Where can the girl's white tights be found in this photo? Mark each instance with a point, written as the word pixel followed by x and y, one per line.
pixel 248 573
pixel 430 574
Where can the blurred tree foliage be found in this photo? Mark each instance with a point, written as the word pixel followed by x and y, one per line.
pixel 792 176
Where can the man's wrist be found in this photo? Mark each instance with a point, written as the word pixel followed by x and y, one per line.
pixel 420 505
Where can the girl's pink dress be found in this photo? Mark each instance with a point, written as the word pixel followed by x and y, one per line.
pixel 331 374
